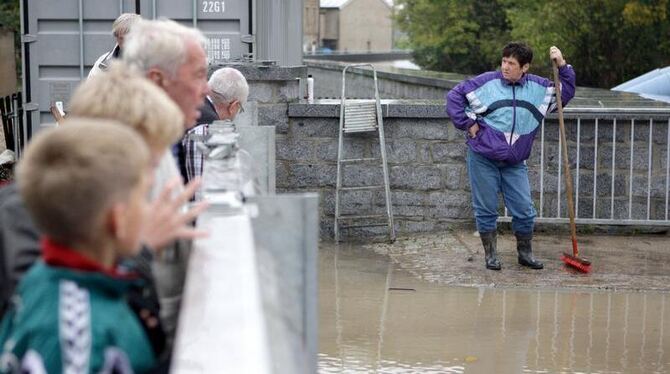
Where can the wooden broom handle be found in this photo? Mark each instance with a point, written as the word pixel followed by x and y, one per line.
pixel 566 161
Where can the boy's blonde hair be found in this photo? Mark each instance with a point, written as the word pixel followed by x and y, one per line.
pixel 122 94
pixel 71 176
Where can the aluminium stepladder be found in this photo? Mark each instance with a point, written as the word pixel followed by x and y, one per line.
pixel 357 116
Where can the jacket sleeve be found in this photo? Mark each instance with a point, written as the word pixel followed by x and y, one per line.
pixel 29 353
pixel 457 102
pixel 567 77
pixel 19 245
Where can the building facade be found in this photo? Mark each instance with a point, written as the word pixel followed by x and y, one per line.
pixel 310 26
pixel 356 25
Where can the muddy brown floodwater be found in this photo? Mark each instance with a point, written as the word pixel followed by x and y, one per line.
pixel 379 314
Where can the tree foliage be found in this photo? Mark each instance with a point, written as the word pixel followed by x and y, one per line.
pixel 608 41
pixel 10 20
pixel 9 15
pixel 453 35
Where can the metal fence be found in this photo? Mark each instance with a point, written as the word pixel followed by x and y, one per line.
pixel 620 162
pixel 11 111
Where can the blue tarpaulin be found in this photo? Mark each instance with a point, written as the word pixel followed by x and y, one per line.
pixel 652 85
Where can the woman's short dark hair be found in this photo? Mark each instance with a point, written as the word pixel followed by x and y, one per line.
pixel 520 51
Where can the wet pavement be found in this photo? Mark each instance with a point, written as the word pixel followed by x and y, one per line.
pixel 457 258
pixel 419 305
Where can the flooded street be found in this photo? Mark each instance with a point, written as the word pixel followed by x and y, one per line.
pixel 376 316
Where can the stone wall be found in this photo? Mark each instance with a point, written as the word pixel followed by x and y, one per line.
pixel 425 158
pixel 429 181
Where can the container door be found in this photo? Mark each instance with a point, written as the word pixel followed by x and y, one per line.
pixel 61 42
pixel 224 23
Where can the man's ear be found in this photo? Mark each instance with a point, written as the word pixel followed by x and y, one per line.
pixel 525 68
pixel 235 102
pixel 157 76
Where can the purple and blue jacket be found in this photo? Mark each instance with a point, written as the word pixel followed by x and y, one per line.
pixel 509 114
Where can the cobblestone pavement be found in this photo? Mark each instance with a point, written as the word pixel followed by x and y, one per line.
pixel 637 263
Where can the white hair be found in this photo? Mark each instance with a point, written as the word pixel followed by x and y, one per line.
pixel 125 23
pixel 228 85
pixel 161 44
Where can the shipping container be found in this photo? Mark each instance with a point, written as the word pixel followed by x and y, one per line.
pixel 61 40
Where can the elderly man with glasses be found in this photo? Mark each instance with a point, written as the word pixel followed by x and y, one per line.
pixel 228 92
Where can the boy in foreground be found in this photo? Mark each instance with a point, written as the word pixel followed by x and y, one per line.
pixel 85 185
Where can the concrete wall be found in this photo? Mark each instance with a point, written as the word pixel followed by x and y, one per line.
pixel 392 85
pixel 365 25
pixel 7 64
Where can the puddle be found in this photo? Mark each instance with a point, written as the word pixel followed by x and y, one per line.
pixel 378 318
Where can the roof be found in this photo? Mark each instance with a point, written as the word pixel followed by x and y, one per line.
pixel 338 4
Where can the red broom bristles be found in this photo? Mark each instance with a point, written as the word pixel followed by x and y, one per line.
pixel 580 264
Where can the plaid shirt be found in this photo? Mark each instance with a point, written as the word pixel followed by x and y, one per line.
pixel 193 158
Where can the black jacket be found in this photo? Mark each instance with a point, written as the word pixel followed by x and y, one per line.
pixel 207 113
pixel 19 242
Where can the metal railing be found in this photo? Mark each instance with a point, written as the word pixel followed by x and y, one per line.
pixel 621 167
pixel 11 113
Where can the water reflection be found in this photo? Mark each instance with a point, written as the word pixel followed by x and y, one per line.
pixel 376 318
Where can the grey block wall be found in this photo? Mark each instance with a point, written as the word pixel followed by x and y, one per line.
pixel 429 180
pixel 425 157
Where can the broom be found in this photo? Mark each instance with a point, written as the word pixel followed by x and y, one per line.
pixel 573 259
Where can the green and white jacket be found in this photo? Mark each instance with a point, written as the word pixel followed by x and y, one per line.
pixel 69 315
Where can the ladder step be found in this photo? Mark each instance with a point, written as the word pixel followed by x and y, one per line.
pixel 360 159
pixel 353 125
pixel 349 116
pixel 361 188
pixel 364 225
pixel 348 121
pixel 359 129
pixel 355 216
